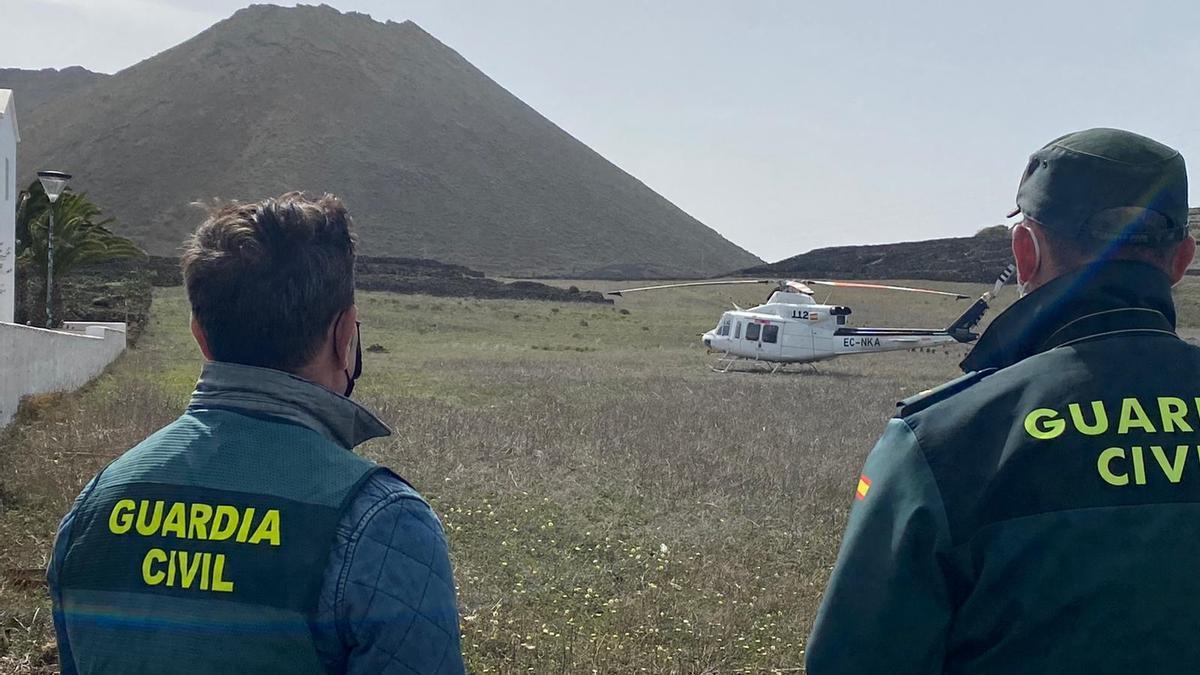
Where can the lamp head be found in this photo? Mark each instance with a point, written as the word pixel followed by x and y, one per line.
pixel 53 182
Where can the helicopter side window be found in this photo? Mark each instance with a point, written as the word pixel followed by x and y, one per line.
pixel 770 333
pixel 737 330
pixel 752 330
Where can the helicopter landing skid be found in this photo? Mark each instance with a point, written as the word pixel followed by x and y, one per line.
pixel 726 363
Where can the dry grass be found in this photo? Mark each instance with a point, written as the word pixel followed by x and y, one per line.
pixel 612 505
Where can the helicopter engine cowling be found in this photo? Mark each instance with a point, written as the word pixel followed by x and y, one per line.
pixel 789 298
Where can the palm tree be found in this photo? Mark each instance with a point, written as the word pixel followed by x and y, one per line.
pixel 81 238
pixel 30 204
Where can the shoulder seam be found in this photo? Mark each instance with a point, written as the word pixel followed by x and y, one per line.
pixel 355 535
pixel 942 392
pixel 932 477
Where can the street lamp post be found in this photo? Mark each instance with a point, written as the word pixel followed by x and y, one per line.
pixel 53 183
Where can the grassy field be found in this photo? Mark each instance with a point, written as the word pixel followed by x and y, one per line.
pixel 611 504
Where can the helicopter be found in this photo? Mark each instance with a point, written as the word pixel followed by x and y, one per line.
pixel 791 327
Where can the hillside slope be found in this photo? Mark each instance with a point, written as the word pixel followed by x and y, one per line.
pixel 434 159
pixel 977 259
pixel 35 88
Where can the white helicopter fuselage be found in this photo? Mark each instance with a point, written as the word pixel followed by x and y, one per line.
pixel 792 327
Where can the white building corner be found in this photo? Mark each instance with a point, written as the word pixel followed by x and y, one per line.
pixel 36 360
pixel 9 137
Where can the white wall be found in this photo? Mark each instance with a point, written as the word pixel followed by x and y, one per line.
pixel 8 206
pixel 39 361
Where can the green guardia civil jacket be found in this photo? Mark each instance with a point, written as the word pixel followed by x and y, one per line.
pixel 1041 514
pixel 204 548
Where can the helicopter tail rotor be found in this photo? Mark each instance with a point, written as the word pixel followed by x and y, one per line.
pixel 1005 275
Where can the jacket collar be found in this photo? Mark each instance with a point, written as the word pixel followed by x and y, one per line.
pixel 1103 298
pixel 263 391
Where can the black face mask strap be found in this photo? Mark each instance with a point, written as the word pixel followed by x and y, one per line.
pixel 358 367
pixel 351 377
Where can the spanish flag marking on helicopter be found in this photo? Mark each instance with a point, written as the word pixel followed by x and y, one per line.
pixel 864 484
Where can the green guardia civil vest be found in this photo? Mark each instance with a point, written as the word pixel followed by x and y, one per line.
pixel 203 549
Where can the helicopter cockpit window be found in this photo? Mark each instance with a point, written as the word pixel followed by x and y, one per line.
pixel 770 333
pixel 737 330
pixel 752 331
pixel 723 329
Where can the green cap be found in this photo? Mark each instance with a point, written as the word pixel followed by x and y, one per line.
pixel 1107 184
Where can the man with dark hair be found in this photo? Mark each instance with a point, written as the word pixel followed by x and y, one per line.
pixel 246 536
pixel 1042 513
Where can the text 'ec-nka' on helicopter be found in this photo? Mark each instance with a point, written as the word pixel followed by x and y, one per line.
pixel 792 327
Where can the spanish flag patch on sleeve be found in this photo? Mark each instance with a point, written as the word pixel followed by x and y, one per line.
pixel 864 484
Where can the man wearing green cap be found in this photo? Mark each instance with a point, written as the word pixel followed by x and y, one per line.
pixel 1041 514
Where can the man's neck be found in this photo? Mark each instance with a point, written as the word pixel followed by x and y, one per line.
pixel 332 380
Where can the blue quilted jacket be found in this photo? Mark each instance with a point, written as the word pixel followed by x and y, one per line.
pixel 387 604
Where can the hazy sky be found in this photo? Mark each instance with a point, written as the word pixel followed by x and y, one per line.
pixel 784 125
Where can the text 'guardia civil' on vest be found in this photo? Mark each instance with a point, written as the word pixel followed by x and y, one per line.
pixel 199 570
pixel 1132 465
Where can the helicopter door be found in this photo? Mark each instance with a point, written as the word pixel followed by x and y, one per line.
pixel 753 331
pixel 823 340
pixel 771 346
pixel 796 341
pixel 749 346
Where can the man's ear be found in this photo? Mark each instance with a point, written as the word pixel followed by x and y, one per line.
pixel 1182 259
pixel 201 338
pixel 344 333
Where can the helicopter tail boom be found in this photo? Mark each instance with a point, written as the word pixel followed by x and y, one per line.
pixel 961 328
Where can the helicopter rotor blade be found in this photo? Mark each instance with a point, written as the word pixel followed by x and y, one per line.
pixel 799 287
pixel 689 284
pixel 885 287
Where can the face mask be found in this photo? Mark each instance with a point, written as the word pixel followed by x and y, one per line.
pixel 358 364
pixel 1022 286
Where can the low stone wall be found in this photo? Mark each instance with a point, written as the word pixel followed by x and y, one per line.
pixel 40 361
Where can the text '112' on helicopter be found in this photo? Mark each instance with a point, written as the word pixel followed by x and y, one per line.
pixel 792 327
